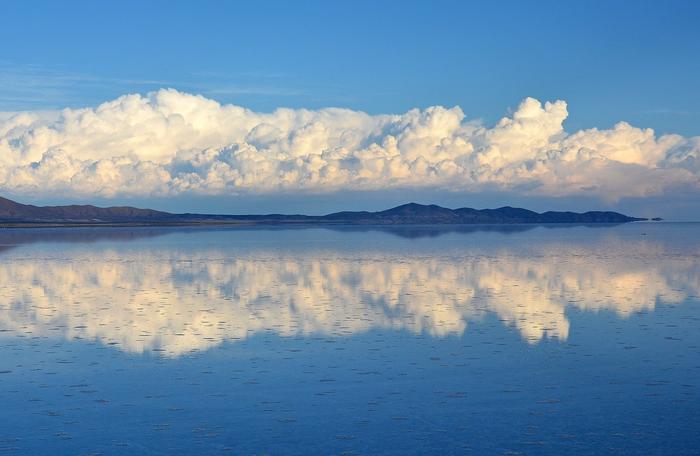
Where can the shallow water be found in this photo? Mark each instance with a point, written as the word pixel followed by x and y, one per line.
pixel 486 340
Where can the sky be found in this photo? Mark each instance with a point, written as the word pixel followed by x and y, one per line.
pixel 321 106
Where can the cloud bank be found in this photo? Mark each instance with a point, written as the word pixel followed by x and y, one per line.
pixel 170 143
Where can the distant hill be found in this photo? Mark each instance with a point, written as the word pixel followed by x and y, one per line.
pixel 15 213
pixel 432 214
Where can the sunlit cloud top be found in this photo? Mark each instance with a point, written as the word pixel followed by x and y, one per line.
pixel 170 143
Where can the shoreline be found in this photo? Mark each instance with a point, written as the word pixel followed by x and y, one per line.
pixel 247 223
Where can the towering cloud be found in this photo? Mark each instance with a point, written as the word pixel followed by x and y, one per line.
pixel 169 143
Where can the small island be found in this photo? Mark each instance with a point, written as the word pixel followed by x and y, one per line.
pixel 13 214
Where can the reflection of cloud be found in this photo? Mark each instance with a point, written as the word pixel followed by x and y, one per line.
pixel 177 303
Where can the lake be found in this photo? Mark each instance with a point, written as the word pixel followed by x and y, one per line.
pixel 351 340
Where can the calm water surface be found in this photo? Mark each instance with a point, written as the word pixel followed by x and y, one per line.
pixel 519 340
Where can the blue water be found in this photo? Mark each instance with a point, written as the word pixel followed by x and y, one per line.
pixel 495 340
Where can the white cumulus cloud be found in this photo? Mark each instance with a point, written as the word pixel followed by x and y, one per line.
pixel 169 143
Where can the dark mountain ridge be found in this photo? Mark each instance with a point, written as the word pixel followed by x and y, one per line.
pixel 12 212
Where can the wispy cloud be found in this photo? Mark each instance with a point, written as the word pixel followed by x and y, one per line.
pixel 237 90
pixel 27 87
pixel 667 112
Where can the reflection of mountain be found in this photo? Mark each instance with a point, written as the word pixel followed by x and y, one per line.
pixel 423 231
pixel 12 237
pixel 179 301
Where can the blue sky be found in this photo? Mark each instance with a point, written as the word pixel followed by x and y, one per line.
pixel 612 61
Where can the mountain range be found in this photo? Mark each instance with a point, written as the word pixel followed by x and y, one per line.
pixel 13 213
